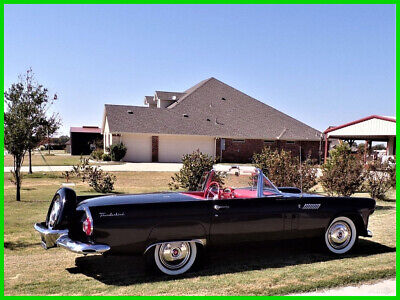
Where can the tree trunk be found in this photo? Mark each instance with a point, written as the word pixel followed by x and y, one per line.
pixel 17 174
pixel 18 192
pixel 18 183
pixel 30 161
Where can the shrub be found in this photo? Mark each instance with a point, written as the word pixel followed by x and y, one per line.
pixel 106 157
pixel 342 173
pixel 285 170
pixel 100 181
pixel 378 179
pixel 117 151
pixel 308 176
pixel 97 154
pixel 194 166
pixel 392 171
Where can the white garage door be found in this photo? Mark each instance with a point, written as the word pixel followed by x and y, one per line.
pixel 171 148
pixel 138 147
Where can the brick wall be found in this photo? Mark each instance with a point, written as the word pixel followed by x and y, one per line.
pixel 154 148
pixel 242 152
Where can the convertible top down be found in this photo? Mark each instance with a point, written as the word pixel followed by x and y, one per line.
pixel 169 227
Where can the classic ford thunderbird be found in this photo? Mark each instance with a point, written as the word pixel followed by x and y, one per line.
pixel 170 227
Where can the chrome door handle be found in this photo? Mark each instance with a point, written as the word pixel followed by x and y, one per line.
pixel 218 207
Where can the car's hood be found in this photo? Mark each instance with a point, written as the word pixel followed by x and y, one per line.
pixel 136 199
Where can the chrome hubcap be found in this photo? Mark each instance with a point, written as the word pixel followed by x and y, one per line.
pixel 174 255
pixel 339 235
pixel 55 211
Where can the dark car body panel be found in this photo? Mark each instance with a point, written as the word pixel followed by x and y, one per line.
pixel 130 223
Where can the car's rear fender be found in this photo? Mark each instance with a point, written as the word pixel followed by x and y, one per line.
pixel 177 231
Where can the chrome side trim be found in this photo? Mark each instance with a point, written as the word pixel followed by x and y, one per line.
pixel 66 242
pixel 49 236
pixel 369 233
pixel 198 241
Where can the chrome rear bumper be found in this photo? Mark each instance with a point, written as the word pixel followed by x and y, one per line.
pixel 78 247
pixel 52 238
pixel 369 233
pixel 49 236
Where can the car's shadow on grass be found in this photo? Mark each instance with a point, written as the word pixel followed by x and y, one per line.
pixel 127 270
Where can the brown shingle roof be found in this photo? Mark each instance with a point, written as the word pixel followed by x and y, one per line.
pixel 214 109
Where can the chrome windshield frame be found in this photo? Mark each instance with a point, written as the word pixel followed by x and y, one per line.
pixel 260 184
pixel 260 180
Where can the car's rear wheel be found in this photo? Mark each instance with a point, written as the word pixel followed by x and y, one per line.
pixel 341 235
pixel 174 258
pixel 55 212
pixel 61 209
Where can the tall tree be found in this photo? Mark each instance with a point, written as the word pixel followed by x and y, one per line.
pixel 26 120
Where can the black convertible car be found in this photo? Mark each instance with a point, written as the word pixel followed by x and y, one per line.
pixel 169 227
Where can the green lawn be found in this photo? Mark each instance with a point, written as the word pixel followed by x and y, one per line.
pixel 55 158
pixel 272 269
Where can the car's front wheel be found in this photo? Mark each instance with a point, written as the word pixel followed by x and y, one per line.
pixel 174 258
pixel 341 235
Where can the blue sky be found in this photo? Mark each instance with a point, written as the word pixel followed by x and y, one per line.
pixel 322 64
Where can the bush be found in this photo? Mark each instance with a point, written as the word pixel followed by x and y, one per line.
pixel 378 179
pixel 392 171
pixel 284 170
pixel 342 173
pixel 97 154
pixel 100 181
pixel 106 157
pixel 194 166
pixel 117 151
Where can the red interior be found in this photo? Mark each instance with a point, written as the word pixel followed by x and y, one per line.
pixel 227 193
pixel 233 194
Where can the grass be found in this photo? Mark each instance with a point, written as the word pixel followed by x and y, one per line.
pixel 54 159
pixel 272 269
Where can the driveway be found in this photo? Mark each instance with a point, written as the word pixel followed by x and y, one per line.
pixel 382 288
pixel 126 167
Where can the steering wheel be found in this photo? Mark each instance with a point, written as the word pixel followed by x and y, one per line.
pixel 211 193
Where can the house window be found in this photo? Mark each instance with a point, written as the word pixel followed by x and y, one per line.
pixel 238 141
pixel 269 142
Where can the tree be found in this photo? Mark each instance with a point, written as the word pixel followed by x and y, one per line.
pixel 40 125
pixel 194 166
pixel 283 169
pixel 378 178
pixel 343 172
pixel 26 121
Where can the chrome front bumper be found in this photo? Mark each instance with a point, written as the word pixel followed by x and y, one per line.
pixel 52 238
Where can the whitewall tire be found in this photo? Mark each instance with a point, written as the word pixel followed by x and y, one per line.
pixel 340 235
pixel 175 258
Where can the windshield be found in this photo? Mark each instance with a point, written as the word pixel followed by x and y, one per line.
pixel 269 187
pixel 243 181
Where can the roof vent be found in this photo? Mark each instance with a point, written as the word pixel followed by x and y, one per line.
pixel 186 115
pixel 130 112
pixel 223 98
pixel 208 120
